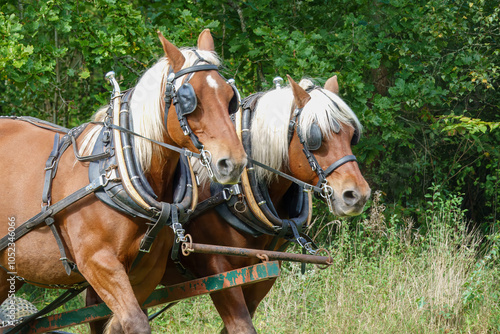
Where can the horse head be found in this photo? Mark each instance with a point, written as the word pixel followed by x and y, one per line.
pixel 196 112
pixel 320 149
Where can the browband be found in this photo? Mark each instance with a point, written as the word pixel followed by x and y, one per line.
pixel 196 68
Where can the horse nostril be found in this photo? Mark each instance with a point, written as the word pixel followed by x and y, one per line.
pixel 225 166
pixel 350 197
pixel 231 168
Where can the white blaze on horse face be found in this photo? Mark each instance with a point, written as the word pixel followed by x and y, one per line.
pixel 211 82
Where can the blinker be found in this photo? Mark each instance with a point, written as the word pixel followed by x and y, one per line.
pixel 186 99
pixel 314 137
pixel 234 104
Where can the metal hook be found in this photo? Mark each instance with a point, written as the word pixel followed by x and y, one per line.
pixel 327 193
pixel 277 82
pixel 205 160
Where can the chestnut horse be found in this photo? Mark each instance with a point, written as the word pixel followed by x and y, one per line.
pixel 272 146
pixel 104 242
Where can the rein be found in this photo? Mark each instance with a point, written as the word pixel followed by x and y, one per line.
pixel 302 184
pixel 183 151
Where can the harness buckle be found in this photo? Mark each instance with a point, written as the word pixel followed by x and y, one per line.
pixel 103 180
pixel 226 194
pixel 112 173
pixel 44 205
pixel 307 188
pixel 185 128
pixel 106 136
pixel 234 190
pixel 179 231
pixel 51 166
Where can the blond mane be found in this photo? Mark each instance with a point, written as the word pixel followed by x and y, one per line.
pixel 269 130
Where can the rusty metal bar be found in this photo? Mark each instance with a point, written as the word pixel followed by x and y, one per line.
pixel 258 253
pixel 237 277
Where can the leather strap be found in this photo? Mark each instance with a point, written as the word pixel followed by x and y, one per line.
pixel 182 151
pixel 196 68
pixel 61 300
pixel 339 163
pixel 304 185
pixel 209 203
pixel 152 232
pixel 52 210
pixel 50 171
pixel 39 123
pixel 69 266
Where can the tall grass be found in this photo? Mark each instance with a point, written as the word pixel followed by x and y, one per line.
pixel 388 276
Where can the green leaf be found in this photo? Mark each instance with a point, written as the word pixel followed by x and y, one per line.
pixel 84 74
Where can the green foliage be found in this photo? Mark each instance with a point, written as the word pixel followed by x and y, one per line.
pixel 422 76
pixel 66 48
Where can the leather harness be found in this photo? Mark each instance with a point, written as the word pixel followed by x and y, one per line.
pixel 106 182
pixel 231 202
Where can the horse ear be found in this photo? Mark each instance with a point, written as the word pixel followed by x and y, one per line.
pixel 332 85
pixel 206 41
pixel 299 93
pixel 174 55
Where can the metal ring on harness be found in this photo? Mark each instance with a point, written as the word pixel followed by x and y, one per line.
pixel 327 193
pixel 240 206
pixel 330 259
pixel 187 246
pixel 263 257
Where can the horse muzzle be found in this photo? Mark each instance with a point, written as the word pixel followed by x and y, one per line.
pixel 227 170
pixel 350 202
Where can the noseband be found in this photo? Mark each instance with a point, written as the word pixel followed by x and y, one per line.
pixel 326 190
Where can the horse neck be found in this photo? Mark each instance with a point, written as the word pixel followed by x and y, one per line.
pixel 161 174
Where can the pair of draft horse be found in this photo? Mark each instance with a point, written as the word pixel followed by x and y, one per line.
pixel 104 243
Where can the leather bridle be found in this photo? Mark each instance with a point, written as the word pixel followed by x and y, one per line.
pixel 184 100
pixel 326 190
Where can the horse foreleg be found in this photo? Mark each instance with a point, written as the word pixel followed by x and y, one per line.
pixel 254 293
pixel 106 274
pixel 233 310
pixel 92 298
